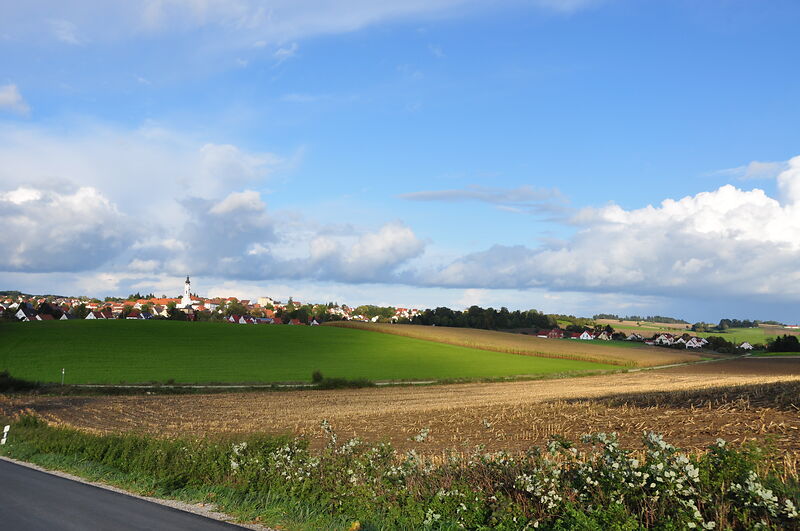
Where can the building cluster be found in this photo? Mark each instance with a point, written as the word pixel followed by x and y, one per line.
pixel 264 310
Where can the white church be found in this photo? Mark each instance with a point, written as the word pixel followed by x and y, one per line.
pixel 186 303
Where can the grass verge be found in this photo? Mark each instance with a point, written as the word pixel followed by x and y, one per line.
pixel 350 485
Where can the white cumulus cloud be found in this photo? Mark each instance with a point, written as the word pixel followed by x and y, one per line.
pixel 725 242
pixel 47 231
pixel 374 256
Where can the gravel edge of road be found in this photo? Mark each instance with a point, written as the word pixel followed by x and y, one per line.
pixel 205 510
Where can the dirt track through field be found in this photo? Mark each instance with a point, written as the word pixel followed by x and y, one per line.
pixel 511 416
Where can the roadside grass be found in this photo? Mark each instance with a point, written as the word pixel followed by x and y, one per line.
pixel 623 353
pixel 120 351
pixel 277 481
pixel 245 507
pixel 774 354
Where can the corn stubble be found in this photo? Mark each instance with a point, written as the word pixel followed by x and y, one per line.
pixel 692 410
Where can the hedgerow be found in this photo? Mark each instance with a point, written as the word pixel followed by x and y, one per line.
pixel 592 485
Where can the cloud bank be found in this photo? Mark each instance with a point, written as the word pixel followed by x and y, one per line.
pixel 153 200
pixel 728 242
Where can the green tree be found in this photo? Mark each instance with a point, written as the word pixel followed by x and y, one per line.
pixel 80 311
pixel 235 308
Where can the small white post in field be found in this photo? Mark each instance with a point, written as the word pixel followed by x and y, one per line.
pixel 62 376
pixel 5 434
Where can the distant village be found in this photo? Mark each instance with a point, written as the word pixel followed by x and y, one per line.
pixel 264 310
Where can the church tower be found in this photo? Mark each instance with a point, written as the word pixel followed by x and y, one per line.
pixel 186 300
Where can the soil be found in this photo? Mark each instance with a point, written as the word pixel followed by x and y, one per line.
pixel 738 400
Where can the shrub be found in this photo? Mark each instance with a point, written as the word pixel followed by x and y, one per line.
pixel 602 486
pixel 344 383
pixel 10 384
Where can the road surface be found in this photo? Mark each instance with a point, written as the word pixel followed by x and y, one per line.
pixel 31 500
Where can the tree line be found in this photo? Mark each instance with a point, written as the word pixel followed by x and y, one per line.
pixel 485 318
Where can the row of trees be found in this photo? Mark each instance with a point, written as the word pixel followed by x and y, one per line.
pixel 486 318
pixel 784 343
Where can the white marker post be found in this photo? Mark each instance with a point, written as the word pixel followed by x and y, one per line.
pixel 5 434
pixel 62 376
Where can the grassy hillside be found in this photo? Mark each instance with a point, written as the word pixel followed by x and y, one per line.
pixel 614 352
pixel 734 335
pixel 142 351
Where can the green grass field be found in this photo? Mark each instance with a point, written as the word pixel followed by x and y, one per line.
pixel 147 351
pixel 776 354
pixel 739 335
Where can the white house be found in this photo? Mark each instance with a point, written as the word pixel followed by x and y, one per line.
pixel 586 336
pixel 664 339
pixel 694 342
pixel 634 337
pixel 26 316
pixel 266 301
pixel 746 346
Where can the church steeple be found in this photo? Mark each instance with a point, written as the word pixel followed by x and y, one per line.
pixel 186 301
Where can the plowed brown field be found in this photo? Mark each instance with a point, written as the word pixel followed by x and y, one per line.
pixel 749 399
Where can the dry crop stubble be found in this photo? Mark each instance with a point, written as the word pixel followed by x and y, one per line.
pixel 690 409
pixel 596 351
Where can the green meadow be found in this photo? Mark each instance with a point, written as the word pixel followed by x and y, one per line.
pixel 120 351
pixel 739 335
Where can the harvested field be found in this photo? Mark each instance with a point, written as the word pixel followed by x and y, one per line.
pixel 747 367
pixel 596 351
pixel 691 408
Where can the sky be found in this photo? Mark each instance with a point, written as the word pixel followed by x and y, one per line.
pixel 573 156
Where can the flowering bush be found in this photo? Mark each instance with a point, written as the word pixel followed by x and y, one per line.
pixel 596 485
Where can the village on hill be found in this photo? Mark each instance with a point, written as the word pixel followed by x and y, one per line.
pixel 191 307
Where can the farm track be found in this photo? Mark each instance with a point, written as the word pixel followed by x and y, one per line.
pixel 702 402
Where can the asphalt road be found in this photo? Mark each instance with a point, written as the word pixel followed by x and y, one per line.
pixel 31 500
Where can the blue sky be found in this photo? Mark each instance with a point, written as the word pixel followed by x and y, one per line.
pixel 415 153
